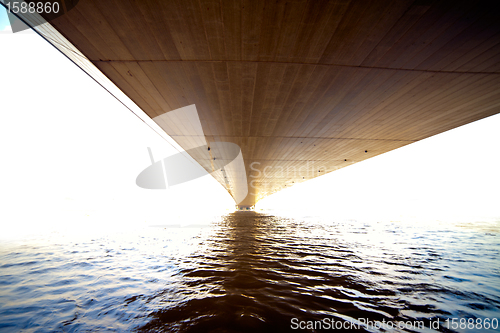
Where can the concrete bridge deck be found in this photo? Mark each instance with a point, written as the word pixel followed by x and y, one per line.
pixel 303 87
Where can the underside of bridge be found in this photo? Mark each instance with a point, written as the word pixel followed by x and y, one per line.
pixel 302 87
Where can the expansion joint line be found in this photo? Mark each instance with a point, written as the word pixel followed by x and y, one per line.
pixel 300 63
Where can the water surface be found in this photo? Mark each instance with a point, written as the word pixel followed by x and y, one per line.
pixel 250 272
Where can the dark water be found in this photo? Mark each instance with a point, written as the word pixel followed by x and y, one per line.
pixel 248 272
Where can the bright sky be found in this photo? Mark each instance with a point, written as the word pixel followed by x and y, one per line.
pixel 71 154
pixel 4 20
pixel 453 176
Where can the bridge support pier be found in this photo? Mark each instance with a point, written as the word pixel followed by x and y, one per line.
pixel 245 207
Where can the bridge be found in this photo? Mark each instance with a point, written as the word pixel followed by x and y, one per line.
pixel 302 87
